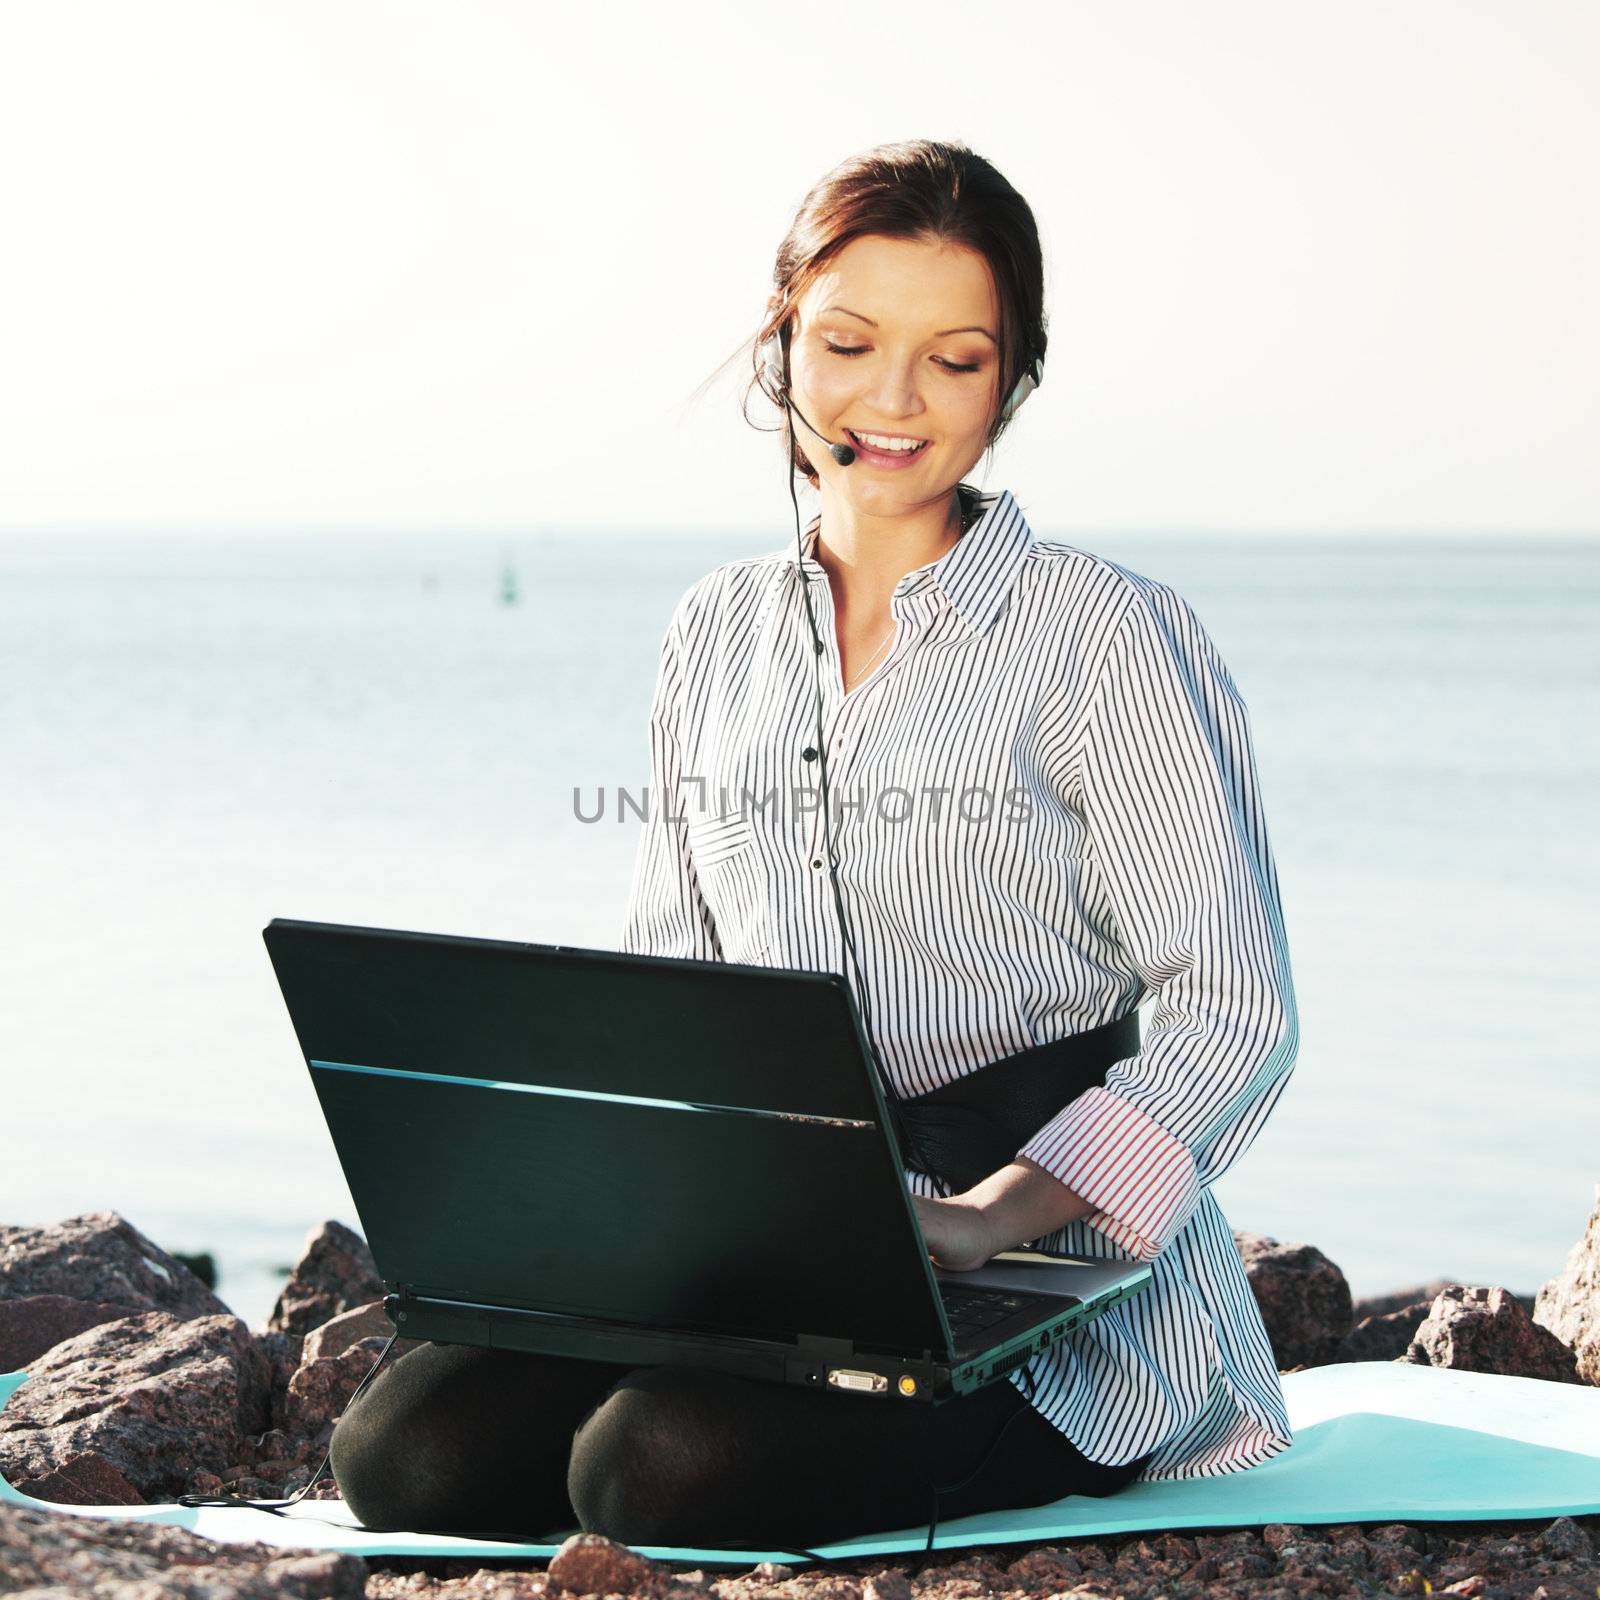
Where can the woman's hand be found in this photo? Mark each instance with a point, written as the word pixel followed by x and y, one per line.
pixel 957 1234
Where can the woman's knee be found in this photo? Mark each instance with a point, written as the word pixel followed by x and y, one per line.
pixel 652 1463
pixel 362 1459
pixel 394 1452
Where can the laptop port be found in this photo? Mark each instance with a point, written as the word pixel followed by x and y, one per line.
pixel 1010 1363
pixel 851 1378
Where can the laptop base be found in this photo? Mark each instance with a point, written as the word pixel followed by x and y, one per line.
pixel 810 1361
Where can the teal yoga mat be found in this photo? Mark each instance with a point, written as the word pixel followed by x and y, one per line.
pixel 1375 1441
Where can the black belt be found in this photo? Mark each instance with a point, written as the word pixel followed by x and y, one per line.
pixel 967 1129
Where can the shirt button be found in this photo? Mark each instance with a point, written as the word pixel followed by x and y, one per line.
pixel 809 753
pixel 817 863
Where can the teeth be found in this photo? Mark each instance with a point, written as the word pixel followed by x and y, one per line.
pixel 879 442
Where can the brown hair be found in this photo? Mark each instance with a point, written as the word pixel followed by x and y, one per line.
pixel 916 189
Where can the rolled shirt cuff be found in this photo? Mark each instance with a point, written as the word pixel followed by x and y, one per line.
pixel 1142 1182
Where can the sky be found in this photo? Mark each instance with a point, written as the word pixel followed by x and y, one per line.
pixel 1309 267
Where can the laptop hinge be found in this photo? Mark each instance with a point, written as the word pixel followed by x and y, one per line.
pixel 398 1295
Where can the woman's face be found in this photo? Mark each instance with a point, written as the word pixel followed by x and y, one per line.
pixel 897 338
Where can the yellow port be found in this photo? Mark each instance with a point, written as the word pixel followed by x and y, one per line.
pixel 908 1384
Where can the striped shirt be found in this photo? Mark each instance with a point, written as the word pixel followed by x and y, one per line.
pixel 1046 811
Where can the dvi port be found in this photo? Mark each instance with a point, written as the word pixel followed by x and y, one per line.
pixel 853 1378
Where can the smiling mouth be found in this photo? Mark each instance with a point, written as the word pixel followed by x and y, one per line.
pixel 881 450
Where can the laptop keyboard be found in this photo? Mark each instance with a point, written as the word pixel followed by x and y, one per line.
pixel 972 1312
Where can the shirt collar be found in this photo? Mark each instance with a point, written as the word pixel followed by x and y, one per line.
pixel 976 573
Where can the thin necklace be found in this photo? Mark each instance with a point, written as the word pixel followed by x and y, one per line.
pixel 967 519
pixel 861 671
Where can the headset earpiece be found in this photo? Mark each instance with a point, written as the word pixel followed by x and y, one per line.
pixel 1030 380
pixel 774 380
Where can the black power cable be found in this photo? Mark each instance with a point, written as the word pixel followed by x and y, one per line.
pixel 276 1507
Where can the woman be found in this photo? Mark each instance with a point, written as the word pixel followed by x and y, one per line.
pixel 1072 823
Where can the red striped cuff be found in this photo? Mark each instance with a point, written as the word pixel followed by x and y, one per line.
pixel 1141 1180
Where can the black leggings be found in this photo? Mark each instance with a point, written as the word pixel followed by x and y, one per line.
pixel 503 1444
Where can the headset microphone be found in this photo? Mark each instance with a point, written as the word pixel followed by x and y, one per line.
pixel 775 379
pixel 842 453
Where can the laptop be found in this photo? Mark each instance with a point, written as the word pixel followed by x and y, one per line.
pixel 649 1160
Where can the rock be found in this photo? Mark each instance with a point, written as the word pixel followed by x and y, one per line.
pixel 100 1257
pixel 1380 1305
pixel 84 1480
pixel 1566 1540
pixel 282 1353
pixel 33 1323
pixel 154 1396
pixel 1569 1304
pixel 1049 1565
pixel 249 1487
pixel 45 1554
pixel 320 1390
pixel 1306 1569
pixel 978 1573
pixel 335 1273
pixel 1237 1554
pixel 895 1585
pixel 1138 1554
pixel 1487 1330
pixel 590 1563
pixel 309 1395
pixel 334 1337
pixel 277 1451
pixel 1401 1533
pixel 1383 1336
pixel 1394 1568
pixel 1352 1553
pixel 1303 1296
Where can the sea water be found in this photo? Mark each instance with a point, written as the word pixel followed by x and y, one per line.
pixel 200 732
